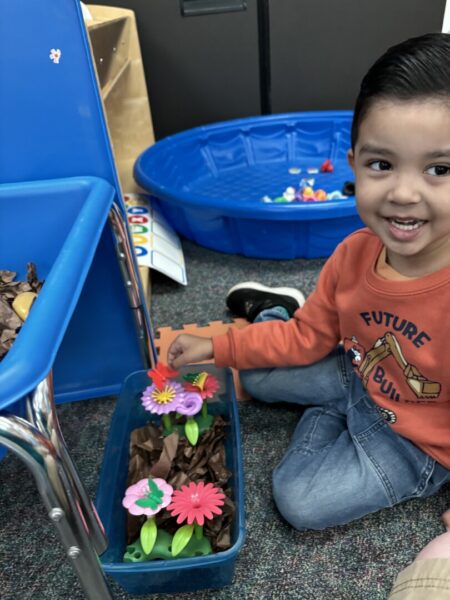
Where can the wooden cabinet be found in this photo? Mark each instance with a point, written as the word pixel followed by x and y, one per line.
pixel 118 61
pixel 120 74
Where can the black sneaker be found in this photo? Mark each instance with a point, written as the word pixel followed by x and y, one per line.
pixel 248 299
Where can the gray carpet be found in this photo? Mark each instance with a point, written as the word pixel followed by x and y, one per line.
pixel 355 562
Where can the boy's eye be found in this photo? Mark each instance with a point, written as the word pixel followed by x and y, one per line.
pixel 438 170
pixel 380 165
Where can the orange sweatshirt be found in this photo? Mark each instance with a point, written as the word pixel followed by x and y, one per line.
pixel 395 330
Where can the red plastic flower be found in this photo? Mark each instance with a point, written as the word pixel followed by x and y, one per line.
pixel 160 374
pixel 203 383
pixel 196 502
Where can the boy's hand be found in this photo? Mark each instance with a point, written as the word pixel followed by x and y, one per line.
pixel 446 519
pixel 187 348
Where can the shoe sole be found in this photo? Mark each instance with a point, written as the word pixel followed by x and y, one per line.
pixel 282 291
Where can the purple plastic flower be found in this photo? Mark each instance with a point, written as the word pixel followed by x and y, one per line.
pixel 165 400
pixel 191 404
pixel 140 499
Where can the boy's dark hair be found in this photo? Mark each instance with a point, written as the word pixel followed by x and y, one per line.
pixel 417 68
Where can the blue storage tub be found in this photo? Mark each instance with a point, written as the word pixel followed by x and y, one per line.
pixel 182 574
pixel 55 224
pixel 210 182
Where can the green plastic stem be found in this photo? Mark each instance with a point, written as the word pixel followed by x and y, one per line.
pixel 167 422
pixel 198 531
pixel 204 409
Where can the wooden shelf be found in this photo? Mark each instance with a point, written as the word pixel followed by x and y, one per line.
pixel 109 85
pixel 118 62
pixel 100 23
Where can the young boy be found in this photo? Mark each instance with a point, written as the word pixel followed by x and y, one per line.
pixel 365 353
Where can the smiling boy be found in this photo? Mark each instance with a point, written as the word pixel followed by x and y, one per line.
pixel 365 353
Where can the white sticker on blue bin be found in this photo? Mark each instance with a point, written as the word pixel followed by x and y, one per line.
pixel 55 55
pixel 156 244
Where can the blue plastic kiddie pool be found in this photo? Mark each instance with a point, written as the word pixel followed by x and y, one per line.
pixel 213 183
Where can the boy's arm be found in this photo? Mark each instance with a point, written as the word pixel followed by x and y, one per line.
pixel 310 335
pixel 188 349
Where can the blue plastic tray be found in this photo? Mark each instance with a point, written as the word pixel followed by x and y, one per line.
pixel 159 576
pixel 56 225
pixel 210 181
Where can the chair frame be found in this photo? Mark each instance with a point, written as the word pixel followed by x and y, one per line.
pixel 38 441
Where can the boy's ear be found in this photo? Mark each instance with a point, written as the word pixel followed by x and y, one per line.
pixel 351 159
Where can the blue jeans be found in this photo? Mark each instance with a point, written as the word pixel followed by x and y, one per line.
pixel 344 460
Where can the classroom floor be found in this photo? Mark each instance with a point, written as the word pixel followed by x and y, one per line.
pixel 355 562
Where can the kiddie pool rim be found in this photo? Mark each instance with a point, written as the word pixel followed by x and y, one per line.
pixel 246 208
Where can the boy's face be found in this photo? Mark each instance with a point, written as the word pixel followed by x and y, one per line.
pixel 402 173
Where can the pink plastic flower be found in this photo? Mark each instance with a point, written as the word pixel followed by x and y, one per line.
pixel 147 497
pixel 196 502
pixel 204 383
pixel 164 400
pixel 191 405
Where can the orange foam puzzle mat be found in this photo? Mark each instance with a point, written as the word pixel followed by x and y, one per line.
pixel 166 335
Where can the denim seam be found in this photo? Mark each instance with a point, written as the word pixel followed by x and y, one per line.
pixel 379 424
pixel 343 372
pixel 424 478
pixel 304 446
pixel 389 490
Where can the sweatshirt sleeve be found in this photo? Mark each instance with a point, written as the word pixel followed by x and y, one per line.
pixel 310 335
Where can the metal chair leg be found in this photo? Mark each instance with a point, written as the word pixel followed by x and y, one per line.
pixel 130 274
pixel 41 457
pixel 42 414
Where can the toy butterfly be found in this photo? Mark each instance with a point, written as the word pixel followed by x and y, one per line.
pixel 160 374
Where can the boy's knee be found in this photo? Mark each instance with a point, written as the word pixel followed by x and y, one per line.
pixel 299 505
pixel 292 509
pixel 252 380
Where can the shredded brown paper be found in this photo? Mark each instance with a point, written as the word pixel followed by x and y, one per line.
pixel 174 459
pixel 10 323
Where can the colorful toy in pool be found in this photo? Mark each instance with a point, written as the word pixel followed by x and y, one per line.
pixel 306 193
pixel 183 409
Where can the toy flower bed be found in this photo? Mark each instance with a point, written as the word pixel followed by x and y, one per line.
pixel 170 493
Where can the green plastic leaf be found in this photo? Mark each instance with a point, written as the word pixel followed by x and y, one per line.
pixel 191 377
pixel 191 430
pixel 148 535
pixel 181 539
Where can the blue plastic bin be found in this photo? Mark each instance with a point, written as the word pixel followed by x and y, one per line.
pixel 178 575
pixel 210 181
pixel 55 224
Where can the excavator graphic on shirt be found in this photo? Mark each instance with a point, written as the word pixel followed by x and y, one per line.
pixel 388 345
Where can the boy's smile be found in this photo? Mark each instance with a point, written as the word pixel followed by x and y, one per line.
pixel 402 172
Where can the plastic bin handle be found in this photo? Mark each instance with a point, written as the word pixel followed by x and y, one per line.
pixel 192 8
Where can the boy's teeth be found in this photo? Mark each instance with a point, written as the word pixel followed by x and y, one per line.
pixel 407 224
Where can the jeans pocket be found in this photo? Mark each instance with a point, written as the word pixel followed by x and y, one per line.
pixel 346 370
pixel 401 467
pixel 434 476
